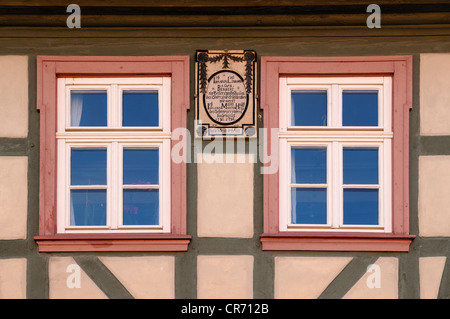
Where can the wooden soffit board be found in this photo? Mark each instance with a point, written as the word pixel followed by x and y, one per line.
pixel 231 13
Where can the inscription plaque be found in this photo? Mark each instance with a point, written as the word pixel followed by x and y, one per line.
pixel 225 99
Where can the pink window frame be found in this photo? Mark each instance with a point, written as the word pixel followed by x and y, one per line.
pixel 400 69
pixel 49 68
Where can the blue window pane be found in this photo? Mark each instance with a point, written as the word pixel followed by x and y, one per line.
pixel 140 207
pixel 360 165
pixel 309 165
pixel 361 206
pixel 88 207
pixel 88 108
pixel 309 206
pixel 309 108
pixel 140 166
pixel 88 166
pixel 360 108
pixel 140 108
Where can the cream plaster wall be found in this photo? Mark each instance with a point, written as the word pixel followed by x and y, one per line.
pixel 13 197
pixel 225 197
pixel 225 277
pixel 434 199
pixel 61 272
pixel 147 277
pixel 14 96
pixel 434 94
pixel 380 282
pixel 13 278
pixel 430 271
pixel 305 277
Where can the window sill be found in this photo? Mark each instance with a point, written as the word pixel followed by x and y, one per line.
pixel 322 241
pixel 112 242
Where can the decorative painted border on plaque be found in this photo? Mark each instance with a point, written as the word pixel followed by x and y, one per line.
pixel 225 93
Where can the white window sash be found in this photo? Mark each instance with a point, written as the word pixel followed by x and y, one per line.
pixel 335 137
pixel 114 138
pixel 114 88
